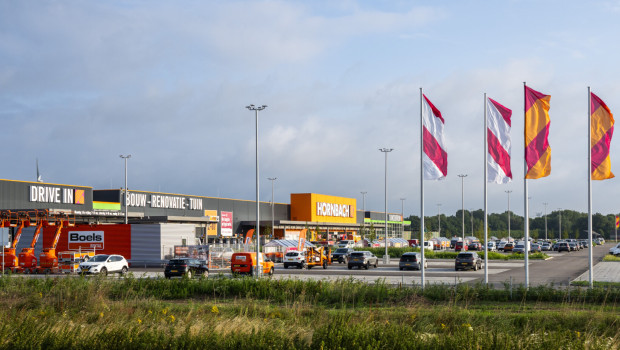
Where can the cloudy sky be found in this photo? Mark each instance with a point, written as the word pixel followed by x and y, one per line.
pixel 82 82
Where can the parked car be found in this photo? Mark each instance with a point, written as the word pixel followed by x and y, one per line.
pixel 474 246
pixel 615 250
pixel 295 258
pixel 245 263
pixel 459 246
pixel 573 246
pixel 508 247
pixel 519 248
pixel 545 246
pixel 584 243
pixel 563 247
pixel 411 260
pixel 341 255
pixel 104 264
pixel 491 246
pixel 535 248
pixel 500 245
pixel 187 267
pixel 468 260
pixel 363 259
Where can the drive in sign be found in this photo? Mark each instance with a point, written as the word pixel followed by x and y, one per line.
pixel 86 240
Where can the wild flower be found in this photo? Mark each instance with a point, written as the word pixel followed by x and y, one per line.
pixel 215 310
pixel 171 319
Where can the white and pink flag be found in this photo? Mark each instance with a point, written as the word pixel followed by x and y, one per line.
pixel 498 139
pixel 435 160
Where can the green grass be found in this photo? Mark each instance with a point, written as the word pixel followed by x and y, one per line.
pixel 609 257
pixel 238 313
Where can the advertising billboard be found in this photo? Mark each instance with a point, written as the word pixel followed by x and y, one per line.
pixel 314 207
pixel 226 224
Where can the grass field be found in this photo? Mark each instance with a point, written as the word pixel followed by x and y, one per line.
pixel 222 313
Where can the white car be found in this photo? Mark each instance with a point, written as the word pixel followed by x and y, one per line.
pixel 615 250
pixel 294 258
pixel 491 247
pixel 104 264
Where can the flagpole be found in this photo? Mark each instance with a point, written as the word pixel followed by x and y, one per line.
pixel 486 233
pixel 421 193
pixel 526 226
pixel 590 188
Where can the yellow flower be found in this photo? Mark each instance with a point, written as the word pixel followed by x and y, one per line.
pixel 139 321
pixel 171 318
pixel 150 312
pixel 215 310
pixel 101 315
pixel 443 326
pixel 578 334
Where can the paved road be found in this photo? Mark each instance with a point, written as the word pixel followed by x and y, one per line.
pixel 559 270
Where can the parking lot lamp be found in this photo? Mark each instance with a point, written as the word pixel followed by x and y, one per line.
pixel 463 176
pixel 386 151
pixel 126 205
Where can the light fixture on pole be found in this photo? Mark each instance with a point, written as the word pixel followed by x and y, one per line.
pixel 463 176
pixel 545 204
pixel 439 218
pixel 258 271
pixel 364 213
pixel 273 230
pixel 560 223
pixel 508 192
pixel 386 257
pixel 126 205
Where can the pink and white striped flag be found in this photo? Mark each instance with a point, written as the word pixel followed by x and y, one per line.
pixel 498 139
pixel 435 160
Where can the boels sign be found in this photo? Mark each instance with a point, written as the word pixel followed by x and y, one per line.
pixel 88 240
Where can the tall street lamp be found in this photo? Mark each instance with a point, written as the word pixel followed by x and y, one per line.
pixel 545 204
pixel 258 271
pixel 508 192
pixel 439 218
pixel 273 230
pixel 560 223
pixel 386 257
pixel 463 176
pixel 364 213
pixel 126 206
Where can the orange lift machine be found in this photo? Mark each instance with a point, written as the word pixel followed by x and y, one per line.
pixel 48 261
pixel 27 259
pixel 20 220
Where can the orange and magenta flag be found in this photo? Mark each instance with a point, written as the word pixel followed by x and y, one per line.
pixel 601 131
pixel 537 150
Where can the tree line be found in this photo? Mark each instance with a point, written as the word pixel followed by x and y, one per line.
pixel 560 224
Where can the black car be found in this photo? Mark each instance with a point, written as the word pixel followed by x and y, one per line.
pixel 186 267
pixel 411 260
pixel 341 255
pixel 563 247
pixel 468 260
pixel 363 259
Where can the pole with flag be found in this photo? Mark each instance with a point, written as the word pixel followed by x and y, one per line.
pixel 537 152
pixel 600 132
pixel 617 224
pixel 433 157
pixel 497 144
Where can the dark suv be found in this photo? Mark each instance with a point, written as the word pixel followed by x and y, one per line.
pixel 363 259
pixel 411 260
pixel 341 255
pixel 186 267
pixel 467 260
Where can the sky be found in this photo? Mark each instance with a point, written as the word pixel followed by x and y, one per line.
pixel 82 82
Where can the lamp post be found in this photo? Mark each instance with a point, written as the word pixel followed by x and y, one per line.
pixel 273 230
pixel 439 218
pixel 258 271
pixel 126 206
pixel 545 204
pixel 508 192
pixel 364 211
pixel 463 176
pixel 560 223
pixel 386 257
